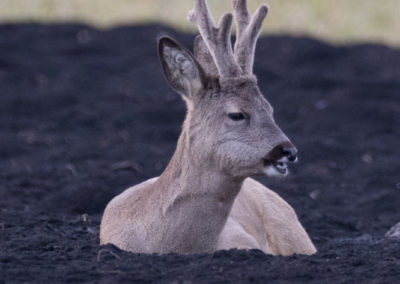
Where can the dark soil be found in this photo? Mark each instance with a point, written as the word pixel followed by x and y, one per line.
pixel 86 113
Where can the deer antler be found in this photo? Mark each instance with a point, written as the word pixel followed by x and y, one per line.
pixel 248 31
pixel 217 39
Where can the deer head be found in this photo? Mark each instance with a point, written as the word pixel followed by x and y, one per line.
pixel 229 126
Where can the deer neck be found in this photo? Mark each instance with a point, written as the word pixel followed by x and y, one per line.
pixel 197 199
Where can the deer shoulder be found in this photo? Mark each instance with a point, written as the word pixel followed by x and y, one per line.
pixel 261 219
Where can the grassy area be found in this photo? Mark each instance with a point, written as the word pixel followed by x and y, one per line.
pixel 334 20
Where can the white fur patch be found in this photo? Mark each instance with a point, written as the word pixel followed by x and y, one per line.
pixel 270 171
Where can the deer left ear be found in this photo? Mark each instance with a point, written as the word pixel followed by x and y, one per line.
pixel 181 69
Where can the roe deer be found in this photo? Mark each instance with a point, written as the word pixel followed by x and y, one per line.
pixel 204 200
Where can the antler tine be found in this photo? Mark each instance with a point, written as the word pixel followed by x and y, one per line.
pixel 217 39
pixel 242 16
pixel 248 31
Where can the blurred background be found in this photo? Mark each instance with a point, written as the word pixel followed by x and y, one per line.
pixel 339 21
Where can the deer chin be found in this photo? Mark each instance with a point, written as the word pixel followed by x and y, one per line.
pixel 275 168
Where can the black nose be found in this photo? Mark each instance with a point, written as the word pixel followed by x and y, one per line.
pixel 285 149
pixel 290 153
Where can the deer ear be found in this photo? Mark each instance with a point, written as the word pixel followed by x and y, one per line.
pixel 182 71
pixel 204 57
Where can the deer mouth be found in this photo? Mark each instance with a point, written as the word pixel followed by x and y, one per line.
pixel 275 167
pixel 280 166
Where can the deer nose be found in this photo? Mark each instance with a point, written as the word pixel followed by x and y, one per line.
pixel 290 152
pixel 285 149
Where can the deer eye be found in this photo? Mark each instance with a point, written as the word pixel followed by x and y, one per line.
pixel 236 116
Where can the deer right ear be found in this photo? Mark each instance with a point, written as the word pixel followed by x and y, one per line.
pixel 182 71
pixel 204 57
